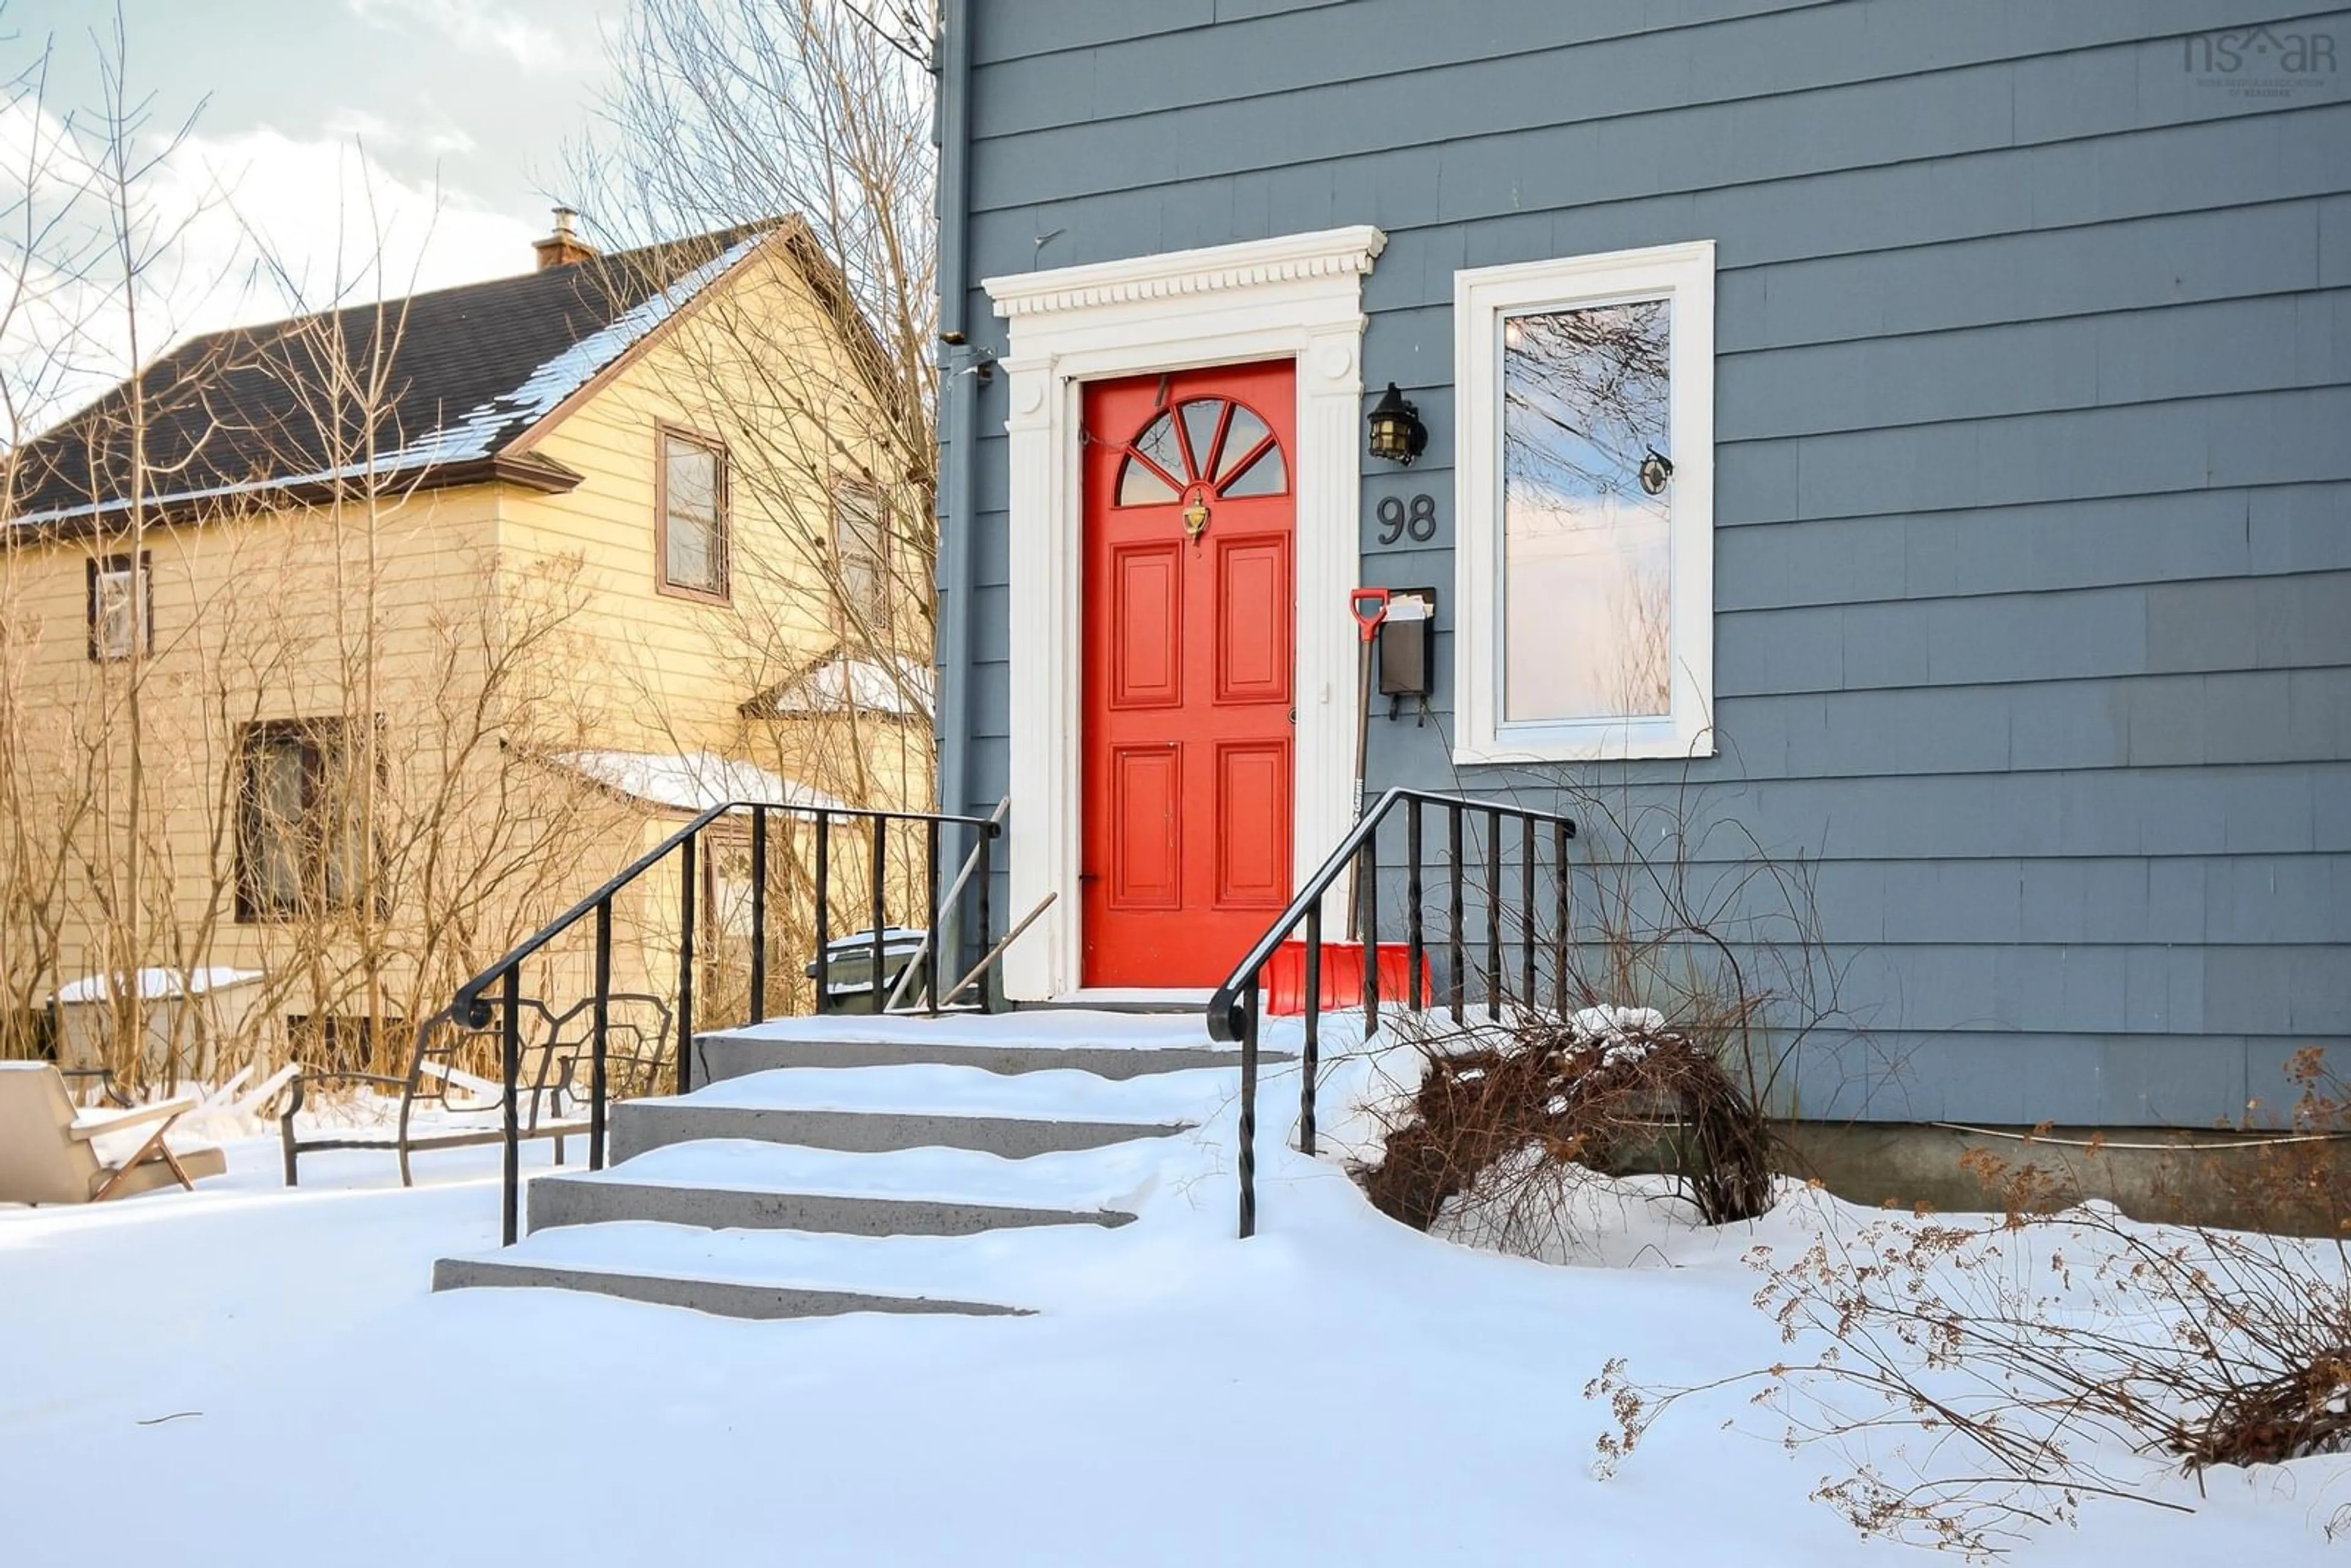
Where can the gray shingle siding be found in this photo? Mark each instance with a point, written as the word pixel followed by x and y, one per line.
pixel 2034 457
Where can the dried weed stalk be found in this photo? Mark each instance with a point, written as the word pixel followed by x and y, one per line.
pixel 1981 1374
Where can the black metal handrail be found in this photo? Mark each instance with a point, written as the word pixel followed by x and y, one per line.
pixel 1234 1009
pixel 494 996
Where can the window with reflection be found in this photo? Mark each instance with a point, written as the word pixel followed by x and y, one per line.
pixel 1208 440
pixel 1587 559
pixel 121 607
pixel 861 555
pixel 1584 473
pixel 693 520
pixel 303 839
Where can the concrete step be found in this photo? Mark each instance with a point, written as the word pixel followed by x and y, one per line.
pixel 1109 1045
pixel 921 1106
pixel 979 1165
pixel 783 1273
pixel 720 1297
pixel 738 1185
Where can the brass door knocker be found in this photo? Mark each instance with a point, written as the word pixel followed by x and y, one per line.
pixel 1196 516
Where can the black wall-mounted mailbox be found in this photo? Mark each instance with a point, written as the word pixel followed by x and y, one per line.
pixel 1408 639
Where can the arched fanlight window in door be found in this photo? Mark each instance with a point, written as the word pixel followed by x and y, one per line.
pixel 1211 441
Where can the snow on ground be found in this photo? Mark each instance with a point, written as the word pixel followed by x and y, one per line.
pixel 256 1376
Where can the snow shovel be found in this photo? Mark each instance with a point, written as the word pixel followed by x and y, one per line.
pixel 1370 607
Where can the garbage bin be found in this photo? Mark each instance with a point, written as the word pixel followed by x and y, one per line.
pixel 223 998
pixel 849 969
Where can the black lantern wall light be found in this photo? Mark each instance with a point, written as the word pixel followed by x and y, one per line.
pixel 1397 433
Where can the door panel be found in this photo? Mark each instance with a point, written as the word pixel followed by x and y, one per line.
pixel 1255 649
pixel 1253 827
pixel 1190 591
pixel 1147 819
pixel 1147 609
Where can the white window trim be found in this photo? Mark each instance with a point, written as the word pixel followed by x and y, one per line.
pixel 1294 296
pixel 1481 297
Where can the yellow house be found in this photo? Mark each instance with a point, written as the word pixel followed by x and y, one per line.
pixel 337 653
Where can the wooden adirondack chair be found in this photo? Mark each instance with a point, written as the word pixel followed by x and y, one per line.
pixel 50 1148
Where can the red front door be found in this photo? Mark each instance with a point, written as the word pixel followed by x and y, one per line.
pixel 1189 649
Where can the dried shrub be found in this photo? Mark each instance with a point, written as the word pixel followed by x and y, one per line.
pixel 2042 1344
pixel 1513 1119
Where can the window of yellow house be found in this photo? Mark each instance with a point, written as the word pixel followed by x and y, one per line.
pixel 302 820
pixel 861 554
pixel 121 607
pixel 690 515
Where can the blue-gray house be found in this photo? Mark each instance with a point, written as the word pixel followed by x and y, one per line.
pixel 1906 439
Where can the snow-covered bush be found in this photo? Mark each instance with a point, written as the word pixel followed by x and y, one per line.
pixel 1508 1121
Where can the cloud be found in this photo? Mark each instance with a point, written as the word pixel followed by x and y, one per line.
pixel 478 26
pixel 445 138
pixel 229 230
pixel 325 220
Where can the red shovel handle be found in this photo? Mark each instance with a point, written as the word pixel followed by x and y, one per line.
pixel 1370 607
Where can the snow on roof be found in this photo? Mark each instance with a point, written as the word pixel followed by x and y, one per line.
pixel 892 684
pixel 482 429
pixel 693 780
pixel 153 985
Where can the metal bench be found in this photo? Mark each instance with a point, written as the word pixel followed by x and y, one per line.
pixel 635 1049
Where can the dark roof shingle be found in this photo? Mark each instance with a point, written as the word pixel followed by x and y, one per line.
pixel 465 371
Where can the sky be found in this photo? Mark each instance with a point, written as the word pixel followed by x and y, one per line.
pixel 440 125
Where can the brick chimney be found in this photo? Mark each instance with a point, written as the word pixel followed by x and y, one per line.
pixel 562 247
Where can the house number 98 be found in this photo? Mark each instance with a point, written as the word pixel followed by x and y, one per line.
pixel 1398 518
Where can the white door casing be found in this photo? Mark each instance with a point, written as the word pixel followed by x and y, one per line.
pixel 1296 296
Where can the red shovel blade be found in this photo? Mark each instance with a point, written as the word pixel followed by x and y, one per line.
pixel 1370 607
